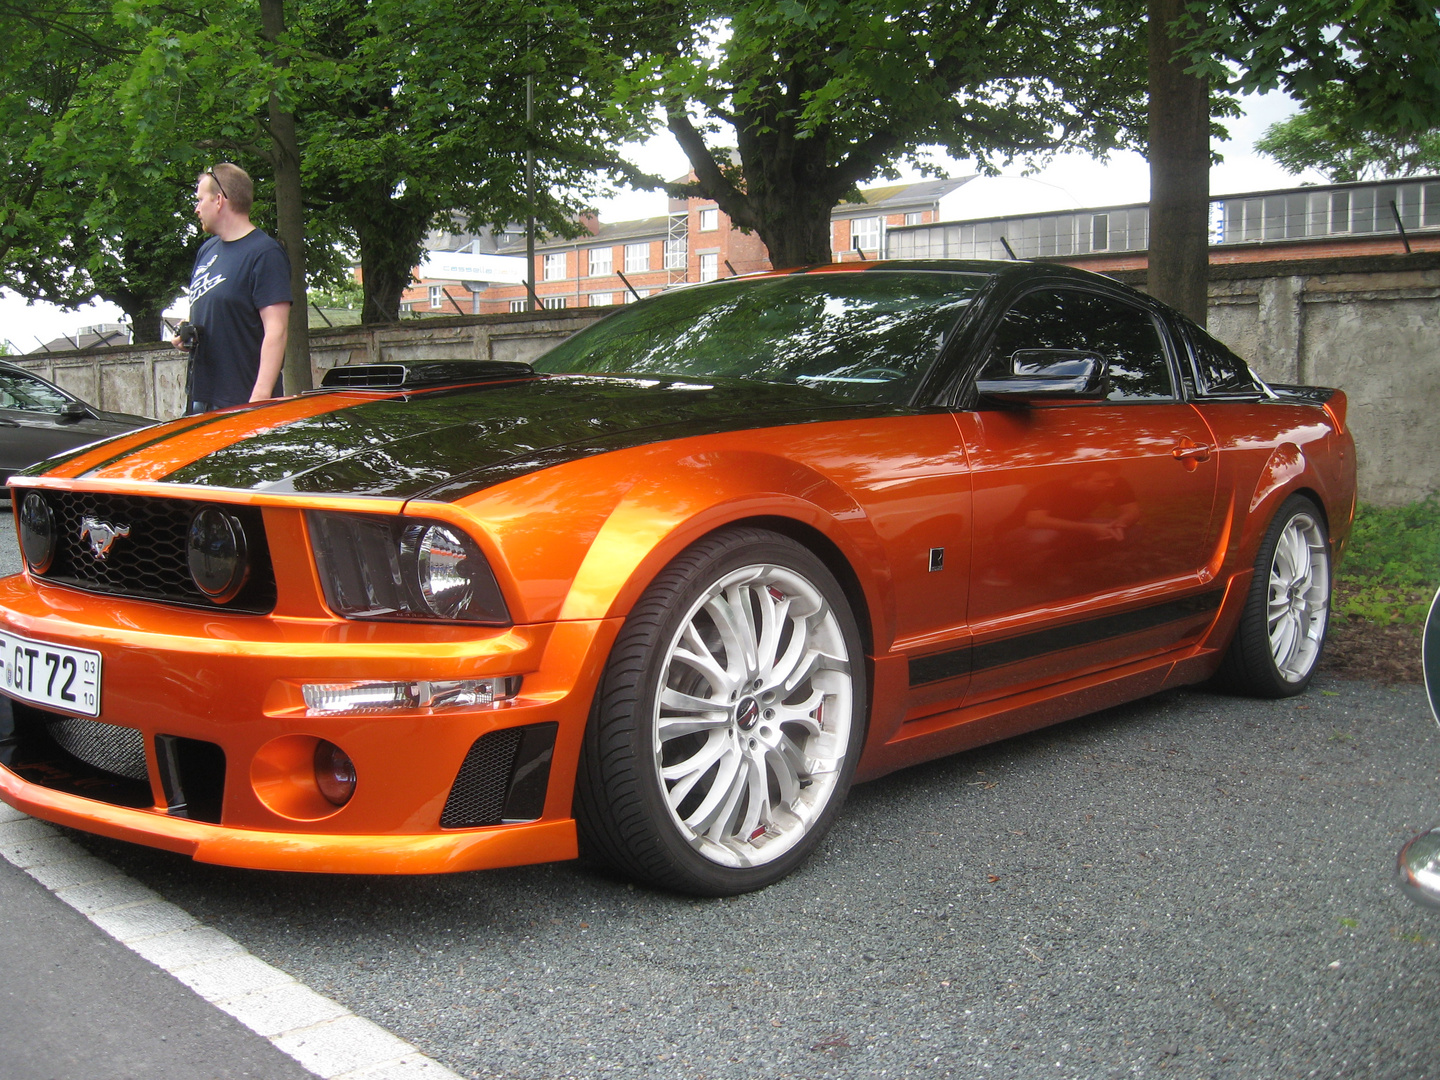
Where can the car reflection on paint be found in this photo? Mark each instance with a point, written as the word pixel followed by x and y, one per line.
pixel 39 420
pixel 661 597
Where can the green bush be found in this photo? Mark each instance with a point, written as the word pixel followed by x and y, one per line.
pixel 1392 565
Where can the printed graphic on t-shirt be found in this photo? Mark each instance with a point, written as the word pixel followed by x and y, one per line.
pixel 202 282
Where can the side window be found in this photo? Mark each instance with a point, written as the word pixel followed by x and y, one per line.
pixel 1219 370
pixel 22 392
pixel 1070 319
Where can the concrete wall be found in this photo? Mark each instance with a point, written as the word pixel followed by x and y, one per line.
pixel 1374 333
pixel 1370 326
pixel 150 379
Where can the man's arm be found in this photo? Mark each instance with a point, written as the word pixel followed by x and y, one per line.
pixel 276 320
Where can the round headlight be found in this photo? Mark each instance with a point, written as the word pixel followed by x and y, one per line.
pixel 445 564
pixel 37 532
pixel 216 553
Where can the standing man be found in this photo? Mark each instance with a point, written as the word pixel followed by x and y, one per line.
pixel 239 298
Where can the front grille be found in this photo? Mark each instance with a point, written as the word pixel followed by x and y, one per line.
pixel 115 749
pixel 30 747
pixel 150 562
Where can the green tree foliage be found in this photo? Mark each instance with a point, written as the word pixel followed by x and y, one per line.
pixel 1384 53
pixel 1321 136
pixel 405 119
pixel 784 108
pixel 81 219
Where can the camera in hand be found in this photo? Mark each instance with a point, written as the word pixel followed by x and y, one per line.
pixel 189 335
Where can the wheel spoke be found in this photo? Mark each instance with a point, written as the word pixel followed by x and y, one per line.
pixel 773 617
pixel 697 655
pixel 673 727
pixel 694 767
pixel 734 634
pixel 689 703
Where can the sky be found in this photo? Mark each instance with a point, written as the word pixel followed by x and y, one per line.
pixel 1069 182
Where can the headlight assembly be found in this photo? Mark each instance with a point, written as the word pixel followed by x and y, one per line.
pixel 378 567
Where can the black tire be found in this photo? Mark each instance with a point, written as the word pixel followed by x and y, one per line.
pixel 690 830
pixel 1281 635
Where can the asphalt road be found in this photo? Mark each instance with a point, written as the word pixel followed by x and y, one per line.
pixel 1193 885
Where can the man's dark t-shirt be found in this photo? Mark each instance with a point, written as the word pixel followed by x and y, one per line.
pixel 231 282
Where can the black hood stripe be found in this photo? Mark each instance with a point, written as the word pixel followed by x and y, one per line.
pixel 451 442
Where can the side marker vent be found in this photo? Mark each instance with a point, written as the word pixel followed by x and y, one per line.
pixel 503 779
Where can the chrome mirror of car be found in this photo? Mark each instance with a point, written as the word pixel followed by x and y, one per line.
pixel 1418 868
pixel 1049 373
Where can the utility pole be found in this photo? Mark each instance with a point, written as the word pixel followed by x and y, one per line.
pixel 531 301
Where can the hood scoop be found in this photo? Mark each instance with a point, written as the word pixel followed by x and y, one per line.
pixel 421 373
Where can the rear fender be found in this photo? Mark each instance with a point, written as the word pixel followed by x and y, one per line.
pixel 1288 471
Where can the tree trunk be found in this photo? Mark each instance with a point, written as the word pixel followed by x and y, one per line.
pixel 1179 261
pixel 796 238
pixel 392 236
pixel 146 322
pixel 290 214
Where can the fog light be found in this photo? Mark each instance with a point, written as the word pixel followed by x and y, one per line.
pixel 37 532
pixel 334 773
pixel 369 697
pixel 215 551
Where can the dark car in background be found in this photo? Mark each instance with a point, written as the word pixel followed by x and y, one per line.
pixel 38 420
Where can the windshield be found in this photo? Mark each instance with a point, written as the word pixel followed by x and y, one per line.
pixel 865 336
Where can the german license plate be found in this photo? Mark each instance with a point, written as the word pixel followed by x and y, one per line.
pixel 60 678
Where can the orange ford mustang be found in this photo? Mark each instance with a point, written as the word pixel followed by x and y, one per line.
pixel 661 597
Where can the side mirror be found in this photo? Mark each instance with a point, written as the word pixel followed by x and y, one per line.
pixel 1045 374
pixel 72 411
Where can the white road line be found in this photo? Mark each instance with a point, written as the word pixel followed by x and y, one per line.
pixel 322 1035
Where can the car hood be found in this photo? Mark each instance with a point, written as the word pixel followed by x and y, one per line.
pixel 446 443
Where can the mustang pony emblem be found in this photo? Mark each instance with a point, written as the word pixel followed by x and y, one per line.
pixel 101 535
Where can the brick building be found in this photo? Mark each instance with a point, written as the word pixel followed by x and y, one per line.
pixel 695 241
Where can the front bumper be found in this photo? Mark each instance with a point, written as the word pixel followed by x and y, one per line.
pixel 234 682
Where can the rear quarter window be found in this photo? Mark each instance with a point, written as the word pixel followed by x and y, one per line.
pixel 1218 371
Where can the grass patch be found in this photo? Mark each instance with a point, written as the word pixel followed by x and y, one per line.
pixel 1392 565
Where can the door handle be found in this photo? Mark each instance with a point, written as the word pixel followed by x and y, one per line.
pixel 1190 453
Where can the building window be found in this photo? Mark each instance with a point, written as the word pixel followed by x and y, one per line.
pixel 406 307
pixel 709 267
pixel 628 297
pixel 1100 232
pixel 437 296
pixel 555 267
pixel 519 305
pixel 637 258
pixel 709 220
pixel 601 262
pixel 554 303
pixel 601 299
pixel 865 234
pixel 675 251
pixel 915 217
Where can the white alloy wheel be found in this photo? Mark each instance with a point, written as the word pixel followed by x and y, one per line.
pixel 1299 603
pixel 729 721
pixel 1281 634
pixel 753 719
